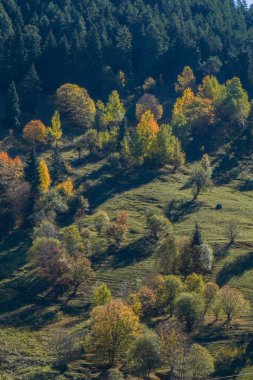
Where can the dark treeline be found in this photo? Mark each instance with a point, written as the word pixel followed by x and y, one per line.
pixel 88 42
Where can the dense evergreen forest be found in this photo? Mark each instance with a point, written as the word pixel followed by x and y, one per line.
pixel 126 190
pixel 88 42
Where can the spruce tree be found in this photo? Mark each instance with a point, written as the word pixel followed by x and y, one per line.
pixel 30 90
pixel 12 109
pixel 32 172
pixel 57 166
pixel 197 236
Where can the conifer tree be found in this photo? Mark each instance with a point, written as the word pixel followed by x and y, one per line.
pixel 30 90
pixel 32 174
pixel 12 109
pixel 57 166
pixel 45 179
pixel 197 236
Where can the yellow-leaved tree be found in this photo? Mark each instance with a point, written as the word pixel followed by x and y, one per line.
pixel 66 187
pixel 55 131
pixel 113 112
pixel 45 180
pixel 114 326
pixel 147 131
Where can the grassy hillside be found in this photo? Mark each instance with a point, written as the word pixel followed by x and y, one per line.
pixel 28 321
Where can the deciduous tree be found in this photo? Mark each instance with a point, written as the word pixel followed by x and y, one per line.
pixel 75 106
pixel 150 103
pixel 72 240
pixel 211 290
pixel 159 225
pixel 45 179
pixel 113 112
pixel 35 132
pixel 114 326
pixel 55 131
pixel 146 353
pixel 101 221
pixel 200 362
pixel 189 308
pixel 11 170
pixel 185 80
pixel 170 289
pixel 232 302
pixel 102 295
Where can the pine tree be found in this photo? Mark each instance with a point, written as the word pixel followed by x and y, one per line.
pixel 45 180
pixel 57 166
pixel 32 174
pixel 30 90
pixel 197 237
pixel 12 109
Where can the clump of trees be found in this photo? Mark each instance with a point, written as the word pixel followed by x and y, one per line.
pixel 211 112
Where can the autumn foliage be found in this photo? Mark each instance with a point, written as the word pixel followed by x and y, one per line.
pixel 66 187
pixel 11 169
pixel 35 132
pixel 45 180
pixel 75 106
pixel 114 327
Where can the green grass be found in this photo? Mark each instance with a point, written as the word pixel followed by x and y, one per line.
pixel 25 327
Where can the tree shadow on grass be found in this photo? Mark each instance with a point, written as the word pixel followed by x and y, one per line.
pixel 234 269
pixel 178 209
pixel 84 160
pixel 135 252
pixel 125 256
pixel 13 253
pixel 247 185
pixel 214 331
pixel 31 316
pixel 221 250
pixel 110 186
pixel 227 170
pixel 24 301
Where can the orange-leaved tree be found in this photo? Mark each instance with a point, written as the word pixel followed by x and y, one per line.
pixel 35 132
pixel 11 169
